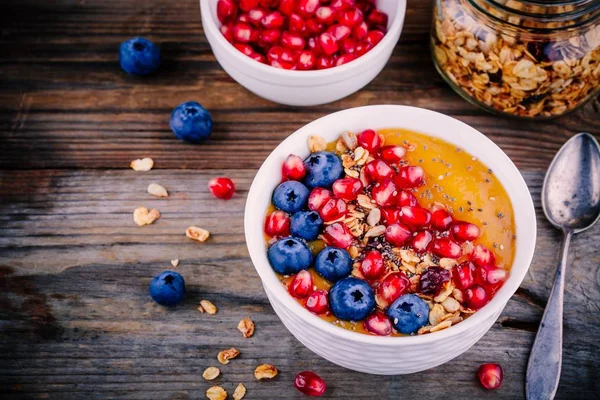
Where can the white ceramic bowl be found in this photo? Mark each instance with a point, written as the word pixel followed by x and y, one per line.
pixel 303 88
pixel 388 355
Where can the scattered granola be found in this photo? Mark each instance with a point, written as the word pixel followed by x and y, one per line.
pixel 157 190
pixel 216 393
pixel 142 164
pixel 246 326
pixel 240 392
pixel 141 216
pixel 175 263
pixel 198 234
pixel 265 371
pixel 211 373
pixel 225 355
pixel 207 306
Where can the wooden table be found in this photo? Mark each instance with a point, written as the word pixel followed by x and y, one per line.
pixel 76 321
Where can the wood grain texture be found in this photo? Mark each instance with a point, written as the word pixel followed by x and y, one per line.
pixel 76 321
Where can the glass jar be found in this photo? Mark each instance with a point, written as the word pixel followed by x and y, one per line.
pixel 531 59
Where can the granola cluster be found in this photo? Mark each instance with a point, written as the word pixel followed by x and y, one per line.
pixel 515 71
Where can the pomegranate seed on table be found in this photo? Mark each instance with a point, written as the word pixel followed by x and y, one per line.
pixel 244 48
pixel 325 62
pixel 445 247
pixel 351 17
pixel 377 19
pixel 273 20
pixel 344 59
pixel 328 43
pixel 397 234
pixel 333 209
pixel 421 241
pixel 378 323
pixel 277 223
pixel 318 197
pixel 372 266
pixel 292 41
pixel 347 189
pixel 384 193
pixel 476 297
pixel 293 168
pixel 302 284
pixel 226 11
pixel 310 384
pixel 415 217
pixel 287 7
pixel 392 154
pixel 306 60
pixel 242 32
pixel 463 275
pixel 370 140
pixel 221 188
pixel 317 302
pixel 432 280
pixel 391 287
pixel 325 15
pixel 374 37
pixel 307 8
pixel 464 231
pixel 482 256
pixel 390 215
pixel 256 15
pixel 410 177
pixel 338 235
pixel 490 375
pixel 378 171
pixel 441 220
pixel 248 5
pixel 227 32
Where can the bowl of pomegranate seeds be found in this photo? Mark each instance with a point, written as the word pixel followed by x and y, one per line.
pixel 389 238
pixel 303 52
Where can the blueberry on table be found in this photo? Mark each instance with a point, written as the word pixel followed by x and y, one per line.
pixel 408 313
pixel 191 122
pixel 306 225
pixel 167 288
pixel 333 264
pixel 322 169
pixel 351 299
pixel 139 56
pixel 290 196
pixel 289 256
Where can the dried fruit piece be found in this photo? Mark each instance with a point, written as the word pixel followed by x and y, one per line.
pixel 216 393
pixel 157 190
pixel 141 216
pixel 195 233
pixel 265 371
pixel 142 164
pixel 240 392
pixel 211 373
pixel 209 307
pixel 246 326
pixel 225 355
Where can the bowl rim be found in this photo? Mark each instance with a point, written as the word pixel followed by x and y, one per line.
pixel 525 245
pixel 369 57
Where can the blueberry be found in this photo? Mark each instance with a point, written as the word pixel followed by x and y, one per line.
pixel 333 264
pixel 408 313
pixel 139 56
pixel 191 122
pixel 289 256
pixel 322 169
pixel 306 225
pixel 351 299
pixel 290 196
pixel 167 288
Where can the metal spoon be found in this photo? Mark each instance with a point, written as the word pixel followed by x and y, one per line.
pixel 571 202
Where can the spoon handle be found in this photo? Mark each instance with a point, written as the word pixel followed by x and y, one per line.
pixel 543 369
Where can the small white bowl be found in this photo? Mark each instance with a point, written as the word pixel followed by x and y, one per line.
pixel 303 88
pixel 388 355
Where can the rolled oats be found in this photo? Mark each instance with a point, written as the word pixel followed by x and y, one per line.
pixel 375 231
pixel 198 234
pixel 211 373
pixel 246 326
pixel 207 306
pixel 448 263
pixel 265 371
pixel 450 304
pixel 436 314
pixel 442 325
pixel 157 190
pixel 365 202
pixel 216 393
pixel 225 355
pixel 141 216
pixel 374 217
pixel 240 392
pixel 142 164
pixel 316 143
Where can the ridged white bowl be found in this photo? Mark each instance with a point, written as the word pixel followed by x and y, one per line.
pixel 388 355
pixel 303 88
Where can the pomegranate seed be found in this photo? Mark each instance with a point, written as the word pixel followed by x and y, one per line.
pixel 317 302
pixel 390 215
pixel 258 57
pixel 421 241
pixel 441 220
pixel 463 275
pixel 302 284
pixel 374 37
pixel 397 234
pixel 256 15
pixel 392 154
pixel 482 256
pixel 338 235
pixel 415 217
pixel 366 7
pixel 490 277
pixel 391 287
pixel 325 15
pixel 340 5
pixel 281 65
pixel 444 247
pixel 286 56
pixel 406 198
pixel 292 41
pixel 306 60
pixel 242 32
pixel 221 188
pixel 490 375
pixel 269 37
pixel 348 46
pixel 269 3
pixel 370 140
pixel 314 27
pixel 378 19
pixel 243 18
pixel 328 43
pixel 351 17
pixel 410 177
pixel 378 323
pixel 347 189
pixel 476 297
pixel 362 48
pixel 273 20
pixel 244 48
pixel 277 224
pixel 384 193
pixel 287 6
pixel 318 197
pixel 227 32
pixel 293 168
pixel 313 45
pixel 333 210
pixel 248 5
pixel 344 59
pixel 432 280
pixel 325 62
pixel 360 32
pixel 307 8
pixel 297 24
pixel 378 171
pixel 226 11
pixel 464 231
pixel 340 32
pixel 310 384
pixel 372 266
